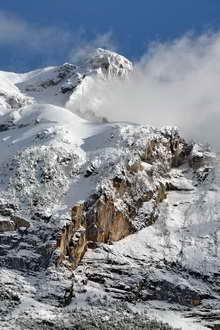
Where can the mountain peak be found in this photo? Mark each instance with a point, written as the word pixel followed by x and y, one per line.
pixel 56 84
pixel 109 62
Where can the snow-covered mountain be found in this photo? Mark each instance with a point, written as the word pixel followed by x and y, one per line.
pixel 100 218
pixel 55 85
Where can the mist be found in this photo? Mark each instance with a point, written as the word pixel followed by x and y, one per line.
pixel 175 83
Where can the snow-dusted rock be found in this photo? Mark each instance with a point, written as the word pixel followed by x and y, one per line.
pixel 107 62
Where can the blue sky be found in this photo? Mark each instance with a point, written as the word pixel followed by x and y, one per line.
pixel 39 33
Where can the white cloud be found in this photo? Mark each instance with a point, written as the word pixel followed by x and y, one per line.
pixel 17 32
pixel 82 47
pixel 175 83
pixel 11 28
pixel 56 44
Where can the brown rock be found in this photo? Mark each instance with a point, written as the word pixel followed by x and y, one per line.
pixel 6 225
pixel 100 219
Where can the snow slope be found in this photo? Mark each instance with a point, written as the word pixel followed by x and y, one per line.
pixel 55 85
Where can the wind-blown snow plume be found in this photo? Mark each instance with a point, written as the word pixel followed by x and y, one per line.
pixel 174 83
pixel 82 47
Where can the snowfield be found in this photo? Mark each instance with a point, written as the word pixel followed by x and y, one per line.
pixel 55 155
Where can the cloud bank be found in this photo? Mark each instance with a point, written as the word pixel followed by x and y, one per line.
pixel 82 46
pixel 17 32
pixel 51 44
pixel 174 83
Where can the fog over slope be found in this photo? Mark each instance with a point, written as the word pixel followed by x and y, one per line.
pixel 174 83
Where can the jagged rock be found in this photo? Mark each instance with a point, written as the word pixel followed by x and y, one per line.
pixel 20 222
pixel 201 156
pixel 101 217
pixel 6 225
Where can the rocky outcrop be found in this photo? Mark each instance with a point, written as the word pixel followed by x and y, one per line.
pixel 128 202
pixel 201 157
pixel 6 225
pixel 13 223
pixel 72 241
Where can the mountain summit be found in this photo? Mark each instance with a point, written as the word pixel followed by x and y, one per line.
pixel 55 85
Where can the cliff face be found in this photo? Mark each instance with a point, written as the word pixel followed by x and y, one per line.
pixel 128 202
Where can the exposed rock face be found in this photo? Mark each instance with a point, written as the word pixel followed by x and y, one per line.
pixel 9 222
pixel 72 241
pixel 6 225
pixel 102 219
pixel 131 186
pixel 13 224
